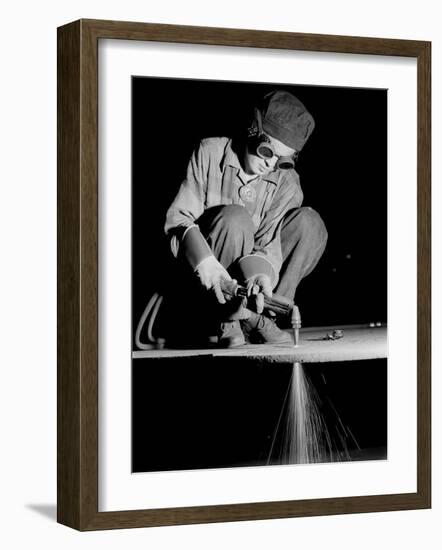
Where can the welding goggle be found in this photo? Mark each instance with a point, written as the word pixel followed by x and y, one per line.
pixel 261 144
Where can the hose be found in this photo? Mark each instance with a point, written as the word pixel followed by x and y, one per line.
pixel 150 313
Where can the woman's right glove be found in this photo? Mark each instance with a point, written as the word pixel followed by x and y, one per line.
pixel 211 273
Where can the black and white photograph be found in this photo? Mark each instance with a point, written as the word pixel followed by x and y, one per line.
pixel 259 274
pixel 220 278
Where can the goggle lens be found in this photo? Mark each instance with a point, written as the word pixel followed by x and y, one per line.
pixel 265 151
pixel 285 163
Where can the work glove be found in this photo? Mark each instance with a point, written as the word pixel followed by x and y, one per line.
pixel 211 274
pixel 258 286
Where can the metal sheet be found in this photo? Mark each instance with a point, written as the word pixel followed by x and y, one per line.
pixel 358 342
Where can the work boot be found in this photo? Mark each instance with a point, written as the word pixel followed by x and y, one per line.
pixel 260 329
pixel 230 335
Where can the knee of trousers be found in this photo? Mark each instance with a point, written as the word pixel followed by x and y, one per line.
pixel 308 221
pixel 234 217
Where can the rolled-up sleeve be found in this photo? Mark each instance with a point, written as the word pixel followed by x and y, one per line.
pixel 188 204
pixel 268 236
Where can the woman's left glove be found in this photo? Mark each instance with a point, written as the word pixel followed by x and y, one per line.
pixel 258 286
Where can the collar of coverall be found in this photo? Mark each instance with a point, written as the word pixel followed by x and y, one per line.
pixel 231 159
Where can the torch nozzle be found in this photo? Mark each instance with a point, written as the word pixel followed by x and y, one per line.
pixel 296 324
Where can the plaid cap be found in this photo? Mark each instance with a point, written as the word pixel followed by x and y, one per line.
pixel 286 119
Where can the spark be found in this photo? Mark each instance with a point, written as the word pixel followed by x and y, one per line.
pixel 305 436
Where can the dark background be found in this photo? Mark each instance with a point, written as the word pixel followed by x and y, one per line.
pixel 197 413
pixel 222 412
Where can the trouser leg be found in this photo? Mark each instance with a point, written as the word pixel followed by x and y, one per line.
pixel 303 241
pixel 229 230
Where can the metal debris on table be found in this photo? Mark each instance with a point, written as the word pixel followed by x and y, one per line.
pixel 334 335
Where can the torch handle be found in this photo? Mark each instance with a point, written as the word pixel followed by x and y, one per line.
pixel 277 304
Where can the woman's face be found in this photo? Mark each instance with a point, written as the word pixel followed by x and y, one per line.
pixel 255 165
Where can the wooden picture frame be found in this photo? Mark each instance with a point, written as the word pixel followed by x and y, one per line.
pixel 78 274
